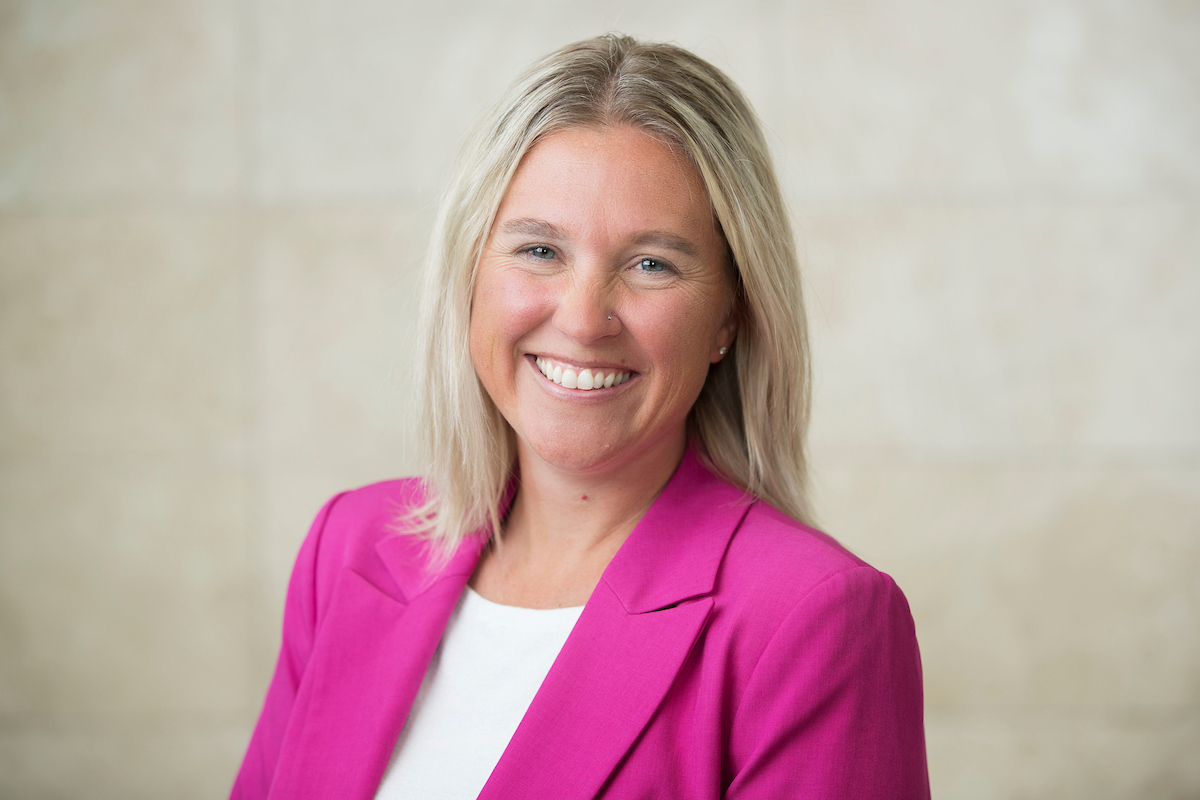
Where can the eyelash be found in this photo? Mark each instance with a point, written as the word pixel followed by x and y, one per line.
pixel 533 252
pixel 662 265
pixel 543 253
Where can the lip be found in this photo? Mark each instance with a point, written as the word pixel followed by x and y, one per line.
pixel 580 394
pixel 607 366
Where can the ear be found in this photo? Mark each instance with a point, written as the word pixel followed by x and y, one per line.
pixel 724 340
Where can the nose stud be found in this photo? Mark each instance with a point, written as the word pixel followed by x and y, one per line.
pixel 610 317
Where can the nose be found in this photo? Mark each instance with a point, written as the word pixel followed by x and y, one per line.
pixel 585 309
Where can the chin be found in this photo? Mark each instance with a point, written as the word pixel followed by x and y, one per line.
pixel 571 450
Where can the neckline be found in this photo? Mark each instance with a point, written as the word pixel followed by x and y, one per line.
pixel 499 608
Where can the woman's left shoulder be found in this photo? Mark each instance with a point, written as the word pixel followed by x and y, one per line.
pixel 822 657
pixel 775 563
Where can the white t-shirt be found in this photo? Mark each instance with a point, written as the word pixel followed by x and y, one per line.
pixel 482 678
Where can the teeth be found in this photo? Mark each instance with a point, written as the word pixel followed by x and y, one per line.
pixel 585 379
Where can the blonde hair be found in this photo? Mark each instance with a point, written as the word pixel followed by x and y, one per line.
pixel 750 419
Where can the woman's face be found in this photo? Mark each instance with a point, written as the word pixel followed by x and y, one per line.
pixel 604 266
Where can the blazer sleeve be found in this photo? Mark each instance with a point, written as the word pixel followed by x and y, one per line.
pixel 300 613
pixel 834 706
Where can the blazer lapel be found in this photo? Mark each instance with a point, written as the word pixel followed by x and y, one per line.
pixel 372 650
pixel 628 646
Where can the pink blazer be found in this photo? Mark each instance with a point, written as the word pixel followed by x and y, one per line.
pixel 728 651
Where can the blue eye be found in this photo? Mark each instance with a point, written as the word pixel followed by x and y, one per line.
pixel 651 265
pixel 541 251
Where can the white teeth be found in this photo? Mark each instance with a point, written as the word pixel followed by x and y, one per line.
pixel 585 379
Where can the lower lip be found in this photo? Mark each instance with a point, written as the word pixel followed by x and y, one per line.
pixel 577 394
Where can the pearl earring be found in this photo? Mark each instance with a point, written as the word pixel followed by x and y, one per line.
pixel 722 350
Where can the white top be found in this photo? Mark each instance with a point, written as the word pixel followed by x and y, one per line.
pixel 482 678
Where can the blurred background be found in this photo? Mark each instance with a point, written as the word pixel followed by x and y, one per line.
pixel 212 215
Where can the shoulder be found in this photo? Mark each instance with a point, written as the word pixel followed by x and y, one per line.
pixel 351 525
pixel 774 552
pixel 777 569
pixel 374 508
pixel 363 516
pixel 824 658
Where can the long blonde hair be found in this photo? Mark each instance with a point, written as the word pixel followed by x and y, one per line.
pixel 750 419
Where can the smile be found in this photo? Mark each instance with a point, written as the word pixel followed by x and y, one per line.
pixel 570 377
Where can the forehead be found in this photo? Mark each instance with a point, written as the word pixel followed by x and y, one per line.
pixel 618 175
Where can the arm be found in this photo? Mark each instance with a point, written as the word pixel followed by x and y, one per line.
pixel 299 628
pixel 834 706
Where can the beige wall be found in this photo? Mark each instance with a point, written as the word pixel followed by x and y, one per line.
pixel 211 216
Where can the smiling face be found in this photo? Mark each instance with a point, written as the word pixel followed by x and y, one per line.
pixel 600 299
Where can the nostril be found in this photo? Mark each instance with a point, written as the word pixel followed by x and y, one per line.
pixel 584 316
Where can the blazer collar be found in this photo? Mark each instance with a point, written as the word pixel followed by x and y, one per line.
pixel 674 552
pixel 414 564
pixel 630 642
pixel 378 641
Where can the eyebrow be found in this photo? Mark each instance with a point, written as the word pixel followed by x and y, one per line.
pixel 669 241
pixel 528 226
pixel 533 227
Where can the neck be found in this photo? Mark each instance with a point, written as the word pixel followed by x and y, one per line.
pixel 566 525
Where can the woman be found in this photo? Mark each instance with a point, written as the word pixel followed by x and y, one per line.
pixel 605 586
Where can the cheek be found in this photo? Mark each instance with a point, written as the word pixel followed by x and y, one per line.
pixel 683 335
pixel 502 311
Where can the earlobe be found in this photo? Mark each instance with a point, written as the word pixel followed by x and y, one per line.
pixel 724 342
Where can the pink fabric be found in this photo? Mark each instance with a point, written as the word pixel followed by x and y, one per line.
pixel 728 651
